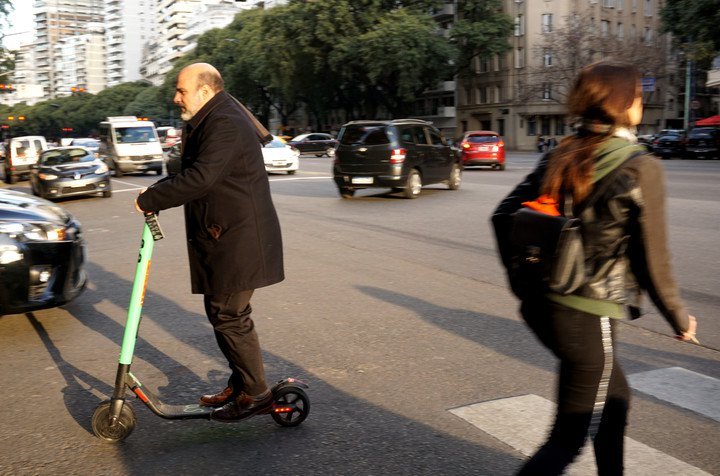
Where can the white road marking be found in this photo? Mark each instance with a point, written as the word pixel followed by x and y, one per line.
pixel 681 387
pixel 523 423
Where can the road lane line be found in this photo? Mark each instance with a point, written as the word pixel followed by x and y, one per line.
pixel 125 183
pixel 288 179
pixel 523 423
pixel 681 387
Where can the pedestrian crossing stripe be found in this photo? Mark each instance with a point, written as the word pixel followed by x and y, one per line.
pixel 523 423
pixel 681 387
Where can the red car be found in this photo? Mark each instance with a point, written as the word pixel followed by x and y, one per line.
pixel 479 148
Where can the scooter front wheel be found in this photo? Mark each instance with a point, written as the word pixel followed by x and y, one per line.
pixel 291 406
pixel 124 425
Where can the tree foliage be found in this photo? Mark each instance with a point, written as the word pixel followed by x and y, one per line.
pixel 694 21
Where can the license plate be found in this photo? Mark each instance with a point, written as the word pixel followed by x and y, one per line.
pixel 362 180
pixel 484 148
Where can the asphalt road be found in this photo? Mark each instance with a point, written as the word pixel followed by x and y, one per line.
pixel 394 311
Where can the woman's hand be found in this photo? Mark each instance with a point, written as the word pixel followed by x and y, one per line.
pixel 689 335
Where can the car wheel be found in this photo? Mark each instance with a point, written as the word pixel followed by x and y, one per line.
pixel 158 171
pixel 501 167
pixel 330 152
pixel 10 179
pixel 107 193
pixel 346 193
pixel 291 172
pixel 455 177
pixel 118 172
pixel 413 185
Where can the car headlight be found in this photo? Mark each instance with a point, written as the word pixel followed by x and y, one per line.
pixel 102 168
pixel 9 254
pixel 44 176
pixel 33 231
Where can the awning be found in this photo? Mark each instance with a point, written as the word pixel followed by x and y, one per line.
pixel 709 121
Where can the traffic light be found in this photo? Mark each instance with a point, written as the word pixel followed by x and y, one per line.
pixel 77 89
pixel 6 88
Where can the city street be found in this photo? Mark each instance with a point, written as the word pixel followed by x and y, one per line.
pixel 395 312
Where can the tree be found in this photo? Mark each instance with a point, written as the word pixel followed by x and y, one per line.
pixel 694 21
pixel 566 50
pixel 481 31
pixel 7 62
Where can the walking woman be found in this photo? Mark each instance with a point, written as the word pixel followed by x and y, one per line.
pixel 626 252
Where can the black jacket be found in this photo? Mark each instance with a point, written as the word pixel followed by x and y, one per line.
pixel 233 233
pixel 624 237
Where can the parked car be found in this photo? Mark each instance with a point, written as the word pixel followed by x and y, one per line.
pixel 482 148
pixel 93 145
pixel 22 154
pixel 314 143
pixel 703 142
pixel 67 171
pixel 42 253
pixel 671 144
pixel 279 156
pixel 402 154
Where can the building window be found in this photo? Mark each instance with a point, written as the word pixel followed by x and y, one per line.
pixel 501 127
pixel 648 36
pixel 547 22
pixel 633 32
pixel 620 31
pixel 559 126
pixel 604 28
pixel 498 94
pixel 620 4
pixel 545 125
pixel 531 126
pixel 609 3
pixel 519 58
pixel 519 26
pixel 633 6
pixel 547 57
pixel 468 96
pixel 547 91
pixel 483 64
pixel 648 8
pixel 483 95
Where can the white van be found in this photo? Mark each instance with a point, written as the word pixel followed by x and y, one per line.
pixel 130 145
pixel 22 153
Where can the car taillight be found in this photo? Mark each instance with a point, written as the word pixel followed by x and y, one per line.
pixel 397 156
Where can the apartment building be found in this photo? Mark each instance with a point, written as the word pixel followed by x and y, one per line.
pixel 80 62
pixel 54 21
pixel 129 25
pixel 521 94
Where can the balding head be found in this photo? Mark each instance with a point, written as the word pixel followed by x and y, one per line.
pixel 196 85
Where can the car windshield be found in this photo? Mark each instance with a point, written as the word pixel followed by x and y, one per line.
pixel 85 143
pixel 127 135
pixel 275 144
pixel 54 157
pixel 484 139
pixel 367 135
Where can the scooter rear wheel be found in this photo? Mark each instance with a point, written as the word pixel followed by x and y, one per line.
pixel 291 406
pixel 122 428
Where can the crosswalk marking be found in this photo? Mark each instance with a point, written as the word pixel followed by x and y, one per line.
pixel 523 422
pixel 681 387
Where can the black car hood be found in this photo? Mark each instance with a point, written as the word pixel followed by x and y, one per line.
pixel 18 206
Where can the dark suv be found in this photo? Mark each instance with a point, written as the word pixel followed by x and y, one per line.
pixel 402 154
pixel 703 142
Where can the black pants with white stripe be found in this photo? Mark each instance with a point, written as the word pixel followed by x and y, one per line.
pixel 593 394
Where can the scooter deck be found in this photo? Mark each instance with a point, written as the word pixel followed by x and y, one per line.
pixel 172 412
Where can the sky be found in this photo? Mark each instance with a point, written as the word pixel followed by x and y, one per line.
pixel 19 25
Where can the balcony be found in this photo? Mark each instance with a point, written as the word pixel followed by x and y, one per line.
pixel 447 10
pixel 446 111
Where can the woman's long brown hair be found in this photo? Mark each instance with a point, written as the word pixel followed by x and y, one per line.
pixel 600 98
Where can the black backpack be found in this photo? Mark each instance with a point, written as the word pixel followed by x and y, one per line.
pixel 547 253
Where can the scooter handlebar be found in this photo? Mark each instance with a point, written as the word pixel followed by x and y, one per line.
pixel 154 225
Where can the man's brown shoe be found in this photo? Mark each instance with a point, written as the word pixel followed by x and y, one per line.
pixel 217 400
pixel 244 406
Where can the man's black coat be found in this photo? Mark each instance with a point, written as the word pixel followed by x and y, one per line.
pixel 233 233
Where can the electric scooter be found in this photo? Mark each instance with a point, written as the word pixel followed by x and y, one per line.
pixel 114 419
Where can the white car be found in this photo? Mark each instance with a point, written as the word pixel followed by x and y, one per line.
pixel 280 157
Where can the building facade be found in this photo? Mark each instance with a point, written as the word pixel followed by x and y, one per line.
pixel 54 21
pixel 129 25
pixel 521 94
pixel 80 62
